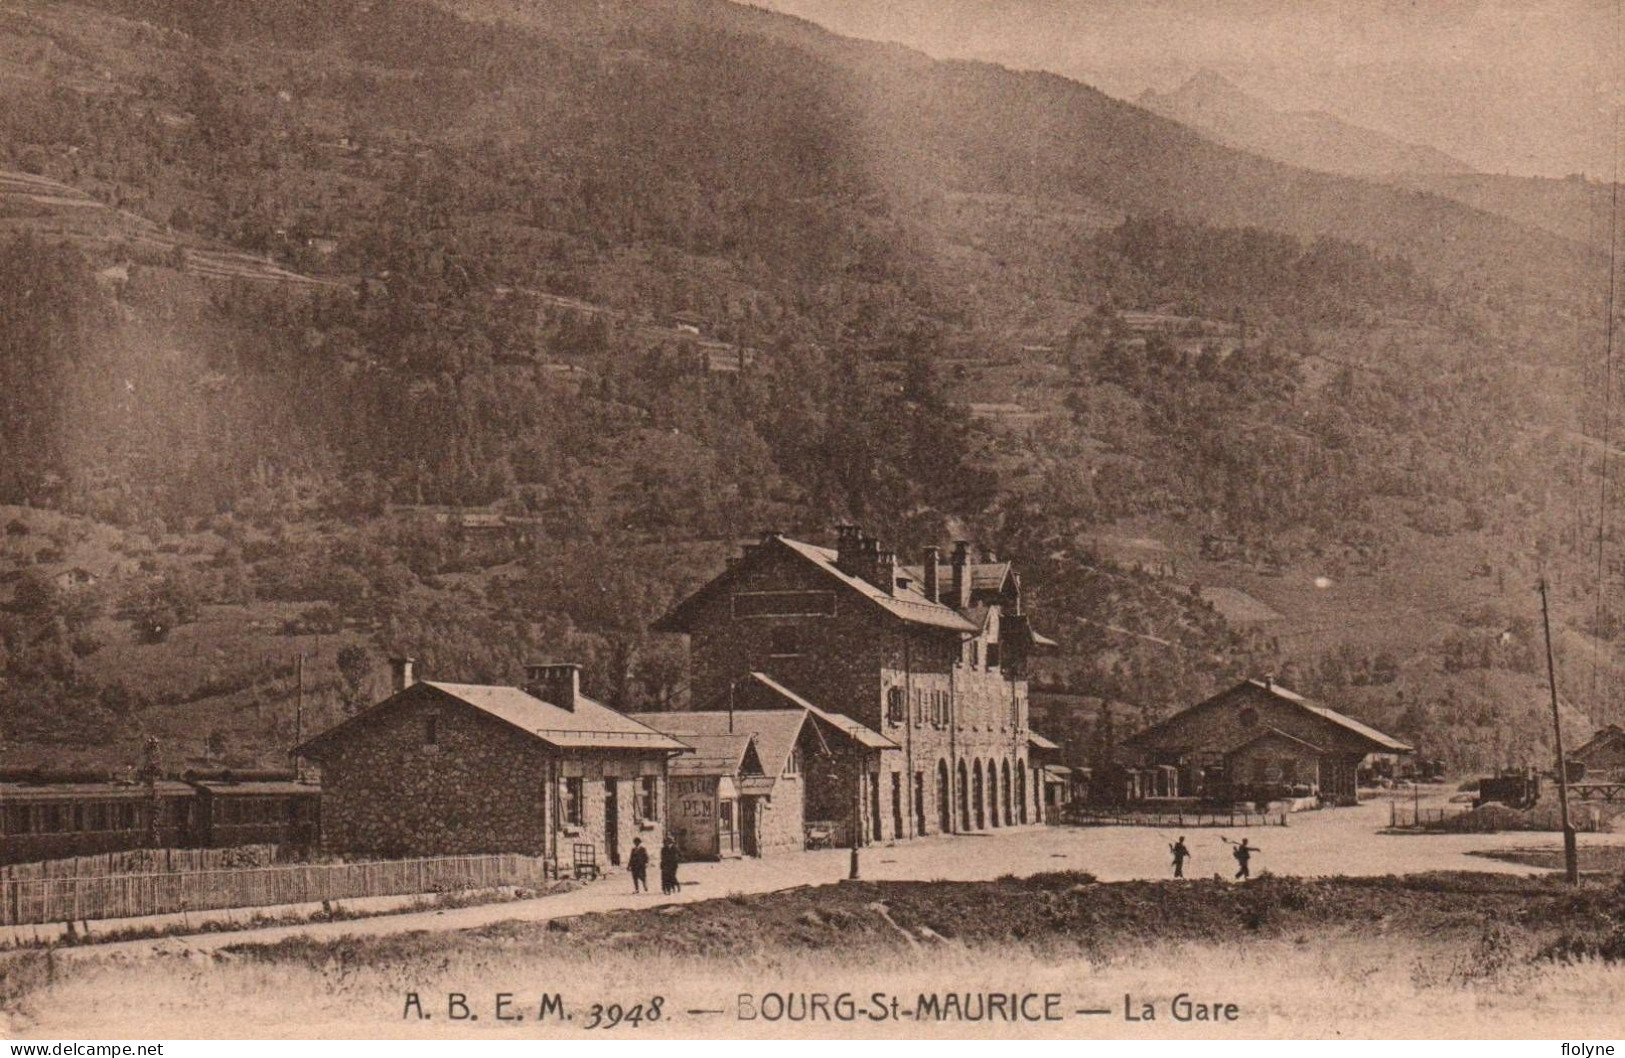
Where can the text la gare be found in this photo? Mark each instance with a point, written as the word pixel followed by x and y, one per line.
pixel 1181 1008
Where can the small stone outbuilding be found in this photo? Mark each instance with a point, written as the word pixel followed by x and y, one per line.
pixel 773 774
pixel 452 768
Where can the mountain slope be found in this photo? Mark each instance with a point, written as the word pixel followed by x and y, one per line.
pixel 1575 209
pixel 1309 139
pixel 914 124
pixel 515 210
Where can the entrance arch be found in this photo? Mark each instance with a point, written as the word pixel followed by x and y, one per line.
pixel 978 790
pixel 1004 792
pixel 993 793
pixel 945 804
pixel 964 798
pixel 1021 789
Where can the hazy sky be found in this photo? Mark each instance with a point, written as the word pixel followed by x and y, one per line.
pixel 1522 86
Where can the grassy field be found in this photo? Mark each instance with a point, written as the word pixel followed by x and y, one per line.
pixel 1432 955
pixel 1601 860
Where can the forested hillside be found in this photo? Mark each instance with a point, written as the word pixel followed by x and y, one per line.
pixel 557 303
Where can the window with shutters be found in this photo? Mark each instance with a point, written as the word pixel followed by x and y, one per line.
pixel 894 705
pixel 572 801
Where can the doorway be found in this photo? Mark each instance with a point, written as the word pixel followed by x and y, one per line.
pixel 919 803
pixel 897 805
pixel 874 806
pixel 612 821
pixel 749 838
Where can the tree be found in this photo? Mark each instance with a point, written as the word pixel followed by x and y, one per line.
pixel 355 670
pixel 1105 740
pixel 34 594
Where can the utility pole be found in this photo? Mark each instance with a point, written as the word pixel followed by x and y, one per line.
pixel 299 705
pixel 150 770
pixel 857 811
pixel 1571 854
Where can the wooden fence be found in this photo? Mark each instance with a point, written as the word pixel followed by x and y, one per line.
pixel 34 900
pixel 1096 817
pixel 143 861
pixel 1461 819
pixel 1406 817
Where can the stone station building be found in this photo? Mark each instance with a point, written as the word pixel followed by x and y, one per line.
pixel 442 769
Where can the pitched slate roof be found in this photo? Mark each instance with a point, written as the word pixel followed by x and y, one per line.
pixel 1383 743
pixel 1037 741
pixel 774 731
pixel 713 755
pixel 984 576
pixel 903 603
pixel 590 725
pixel 864 736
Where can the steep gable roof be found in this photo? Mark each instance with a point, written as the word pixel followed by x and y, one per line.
pixel 866 737
pixel 590 725
pixel 774 731
pixel 715 755
pixel 903 603
pixel 1377 740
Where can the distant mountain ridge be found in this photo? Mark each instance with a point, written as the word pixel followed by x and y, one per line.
pixel 1311 139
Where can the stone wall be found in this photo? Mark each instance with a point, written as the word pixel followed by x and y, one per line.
pixel 479 786
pixel 781 818
pixel 1273 761
pixel 850 661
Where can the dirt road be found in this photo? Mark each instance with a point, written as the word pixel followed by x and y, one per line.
pixel 1346 841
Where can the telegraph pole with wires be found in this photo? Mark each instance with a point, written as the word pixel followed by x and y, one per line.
pixel 1571 854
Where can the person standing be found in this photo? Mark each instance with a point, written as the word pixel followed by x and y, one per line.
pixel 638 863
pixel 1181 854
pixel 668 867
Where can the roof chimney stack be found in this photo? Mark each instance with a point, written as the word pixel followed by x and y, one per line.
pixel 928 568
pixel 558 684
pixel 402 673
pixel 885 572
pixel 848 542
pixel 960 597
